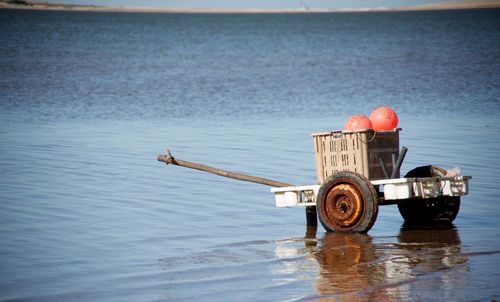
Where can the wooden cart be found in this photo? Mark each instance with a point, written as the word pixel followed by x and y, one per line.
pixel 352 169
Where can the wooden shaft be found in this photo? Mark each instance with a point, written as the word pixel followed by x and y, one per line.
pixel 169 159
pixel 311 216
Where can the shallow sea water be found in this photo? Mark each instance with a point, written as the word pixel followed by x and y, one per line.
pixel 89 100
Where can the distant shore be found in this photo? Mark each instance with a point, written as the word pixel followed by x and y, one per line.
pixel 31 5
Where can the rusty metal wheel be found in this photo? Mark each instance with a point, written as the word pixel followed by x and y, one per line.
pixel 347 202
pixel 440 210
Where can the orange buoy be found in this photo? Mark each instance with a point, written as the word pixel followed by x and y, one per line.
pixel 357 122
pixel 383 119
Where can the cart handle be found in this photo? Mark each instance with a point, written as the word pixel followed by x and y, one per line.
pixel 169 159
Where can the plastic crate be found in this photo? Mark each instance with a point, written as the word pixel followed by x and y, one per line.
pixel 456 186
pixel 427 187
pixel 399 188
pixel 357 151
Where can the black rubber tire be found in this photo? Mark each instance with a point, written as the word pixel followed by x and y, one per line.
pixel 347 202
pixel 431 211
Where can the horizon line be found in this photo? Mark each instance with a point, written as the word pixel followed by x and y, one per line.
pixel 34 5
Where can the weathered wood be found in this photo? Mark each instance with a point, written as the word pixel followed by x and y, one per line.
pixel 170 160
pixel 311 216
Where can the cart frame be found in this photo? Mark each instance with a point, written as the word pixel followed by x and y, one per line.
pixel 391 191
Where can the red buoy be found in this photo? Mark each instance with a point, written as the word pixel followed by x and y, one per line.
pixel 357 122
pixel 384 118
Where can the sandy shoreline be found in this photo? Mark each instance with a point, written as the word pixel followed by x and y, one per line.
pixel 467 4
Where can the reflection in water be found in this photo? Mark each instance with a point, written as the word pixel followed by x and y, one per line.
pixel 347 266
pixel 362 268
pixel 431 258
pixel 414 265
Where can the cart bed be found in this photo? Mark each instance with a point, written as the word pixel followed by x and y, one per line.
pixel 391 190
